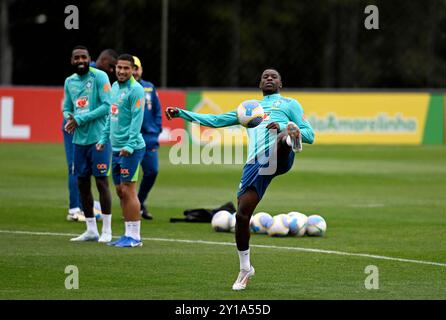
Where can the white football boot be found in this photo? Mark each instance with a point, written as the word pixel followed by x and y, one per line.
pixel 242 279
pixel 86 236
pixel 73 214
pixel 71 217
pixel 80 216
pixel 105 237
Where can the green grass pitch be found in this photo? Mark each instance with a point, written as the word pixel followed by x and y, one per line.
pixel 387 201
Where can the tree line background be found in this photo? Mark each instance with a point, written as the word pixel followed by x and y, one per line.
pixel 314 44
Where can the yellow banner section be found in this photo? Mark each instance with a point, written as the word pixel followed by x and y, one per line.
pixel 343 118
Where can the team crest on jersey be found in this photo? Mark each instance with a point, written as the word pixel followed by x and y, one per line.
pixel 114 109
pixel 82 102
pixel 123 95
pixel 89 85
pixel 277 104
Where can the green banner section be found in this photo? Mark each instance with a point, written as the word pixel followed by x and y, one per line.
pixel 193 98
pixel 435 121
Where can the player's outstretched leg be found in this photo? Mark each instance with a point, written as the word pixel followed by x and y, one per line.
pixel 247 203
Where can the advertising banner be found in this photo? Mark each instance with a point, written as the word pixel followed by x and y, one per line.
pixel 347 118
pixel 34 114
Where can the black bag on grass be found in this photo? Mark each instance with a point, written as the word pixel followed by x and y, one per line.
pixel 203 215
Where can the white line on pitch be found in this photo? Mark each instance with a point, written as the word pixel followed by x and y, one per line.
pixel 340 253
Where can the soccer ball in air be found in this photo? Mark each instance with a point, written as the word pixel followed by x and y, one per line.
pixel 250 113
pixel 297 223
pixel 221 221
pixel 280 227
pixel 316 226
pixel 260 222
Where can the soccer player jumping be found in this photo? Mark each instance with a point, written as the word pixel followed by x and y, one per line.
pixel 270 153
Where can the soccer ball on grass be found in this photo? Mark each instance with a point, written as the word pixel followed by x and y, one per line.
pixel 279 227
pixel 316 226
pixel 260 222
pixel 297 223
pixel 232 221
pixel 221 221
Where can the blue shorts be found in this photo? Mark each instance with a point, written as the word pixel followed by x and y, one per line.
pixel 88 161
pixel 126 169
pixel 259 174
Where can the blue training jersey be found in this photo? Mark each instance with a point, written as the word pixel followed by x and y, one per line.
pixel 152 110
pixel 277 109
